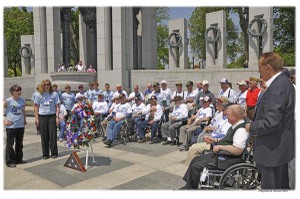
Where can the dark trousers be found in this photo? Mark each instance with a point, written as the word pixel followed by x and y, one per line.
pixel 210 161
pixel 141 125
pixel 48 131
pixel 274 177
pixel 14 136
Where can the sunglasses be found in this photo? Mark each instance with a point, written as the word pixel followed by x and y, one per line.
pixel 18 90
pixel 46 84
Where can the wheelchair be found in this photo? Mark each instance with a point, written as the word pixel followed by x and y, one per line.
pixel 243 175
pixel 126 133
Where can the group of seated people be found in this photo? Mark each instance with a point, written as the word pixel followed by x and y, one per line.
pixel 218 126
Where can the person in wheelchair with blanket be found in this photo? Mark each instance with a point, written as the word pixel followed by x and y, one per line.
pixel 226 151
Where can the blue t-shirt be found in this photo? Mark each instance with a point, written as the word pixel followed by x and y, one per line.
pixel 94 94
pixel 68 100
pixel 14 112
pixel 108 95
pixel 47 103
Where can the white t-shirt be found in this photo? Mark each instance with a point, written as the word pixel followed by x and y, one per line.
pixel 204 112
pixel 241 99
pixel 123 109
pixel 100 107
pixel 137 108
pixel 230 94
pixel 240 137
pixel 80 67
pixel 180 111
pixel 183 94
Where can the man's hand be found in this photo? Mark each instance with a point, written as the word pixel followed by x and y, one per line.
pixel 208 139
pixel 216 149
pixel 7 122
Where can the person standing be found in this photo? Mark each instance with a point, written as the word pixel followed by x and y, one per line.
pixel 252 97
pixel 15 125
pixel 273 126
pixel 38 89
pixel 68 99
pixel 46 111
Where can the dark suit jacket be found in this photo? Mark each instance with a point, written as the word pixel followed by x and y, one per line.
pixel 273 126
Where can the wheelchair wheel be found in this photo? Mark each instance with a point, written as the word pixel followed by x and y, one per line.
pixel 240 176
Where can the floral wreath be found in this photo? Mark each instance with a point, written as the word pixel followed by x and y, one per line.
pixel 177 37
pixel 263 29
pixel 81 126
pixel 209 39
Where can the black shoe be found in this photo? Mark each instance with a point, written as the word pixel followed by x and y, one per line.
pixel 166 142
pixel 141 140
pixel 108 142
pixel 104 138
pixel 46 157
pixel 12 165
pixel 21 162
pixel 173 142
pixel 54 156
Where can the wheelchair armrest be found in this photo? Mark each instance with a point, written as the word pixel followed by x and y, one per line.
pixel 226 153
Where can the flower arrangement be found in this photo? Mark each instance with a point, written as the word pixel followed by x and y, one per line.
pixel 80 126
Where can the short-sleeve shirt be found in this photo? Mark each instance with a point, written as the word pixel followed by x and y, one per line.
pixel 68 100
pixel 47 103
pixel 108 95
pixel 14 112
pixel 204 112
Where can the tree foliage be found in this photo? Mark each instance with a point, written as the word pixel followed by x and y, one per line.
pixel 162 37
pixel 197 26
pixel 284 33
pixel 17 22
pixel 74 31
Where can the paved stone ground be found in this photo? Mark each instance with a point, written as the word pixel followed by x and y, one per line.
pixel 132 166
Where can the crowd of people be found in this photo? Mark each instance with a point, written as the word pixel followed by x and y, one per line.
pixel 194 119
pixel 80 67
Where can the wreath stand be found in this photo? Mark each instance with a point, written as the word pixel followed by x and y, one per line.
pixel 87 155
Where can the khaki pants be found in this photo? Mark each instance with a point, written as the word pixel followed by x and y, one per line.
pixel 195 150
pixel 186 132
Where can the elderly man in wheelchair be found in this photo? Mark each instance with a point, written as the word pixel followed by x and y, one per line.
pixel 226 152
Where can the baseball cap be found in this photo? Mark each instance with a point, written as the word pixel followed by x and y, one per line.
pixel 163 82
pixel 205 82
pixel 222 99
pixel 177 98
pixel 100 94
pixel 121 95
pixel 137 98
pixel 155 84
pixel 189 83
pixel 153 97
pixel 224 81
pixel 178 84
pixel 254 79
pixel 206 99
pixel 242 83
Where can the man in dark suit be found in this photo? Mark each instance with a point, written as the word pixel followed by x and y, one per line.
pixel 273 127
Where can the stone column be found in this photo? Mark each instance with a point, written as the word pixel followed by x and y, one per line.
pixel 89 18
pixel 66 20
pixel 149 38
pixel 135 12
pixel 83 46
pixel 27 62
pixel 267 38
pixel 5 68
pixel 179 26
pixel 40 40
pixel 104 39
pixel 54 38
pixel 139 40
pixel 216 53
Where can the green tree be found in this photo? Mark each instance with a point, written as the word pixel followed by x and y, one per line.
pixel 17 22
pixel 284 33
pixel 162 37
pixel 74 31
pixel 197 26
